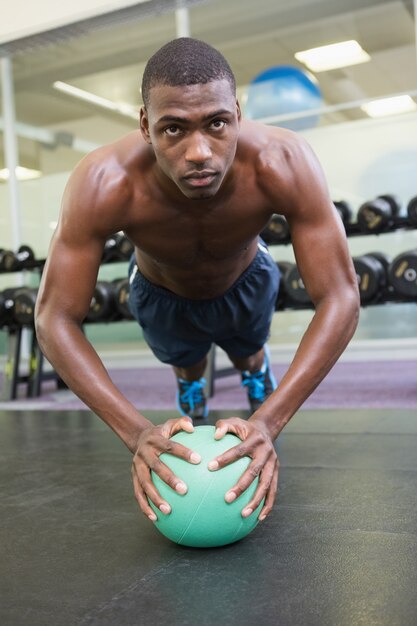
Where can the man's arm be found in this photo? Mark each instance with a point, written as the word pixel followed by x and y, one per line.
pixel 68 281
pixel 325 265
pixel 65 293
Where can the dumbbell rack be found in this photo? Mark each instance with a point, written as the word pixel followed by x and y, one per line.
pixel 35 375
pixel 387 295
pixel 12 371
pixel 117 249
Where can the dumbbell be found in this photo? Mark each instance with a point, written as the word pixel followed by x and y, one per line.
pixel 284 267
pixel 111 250
pixel 126 247
pixel 377 216
pixel 403 274
pixel 277 230
pixel 345 211
pixel 117 248
pixel 121 296
pixel 10 261
pixel 371 272
pixel 6 307
pixel 384 258
pixel 24 306
pixel 294 286
pixel 412 211
pixel 103 305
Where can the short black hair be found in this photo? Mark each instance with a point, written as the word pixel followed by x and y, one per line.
pixel 185 61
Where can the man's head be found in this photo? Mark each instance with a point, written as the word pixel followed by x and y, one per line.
pixel 185 61
pixel 191 116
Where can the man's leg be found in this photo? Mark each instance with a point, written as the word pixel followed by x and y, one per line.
pixel 191 399
pixel 161 314
pixel 193 372
pixel 257 376
pixel 251 363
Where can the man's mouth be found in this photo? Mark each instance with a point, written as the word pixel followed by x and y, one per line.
pixel 200 179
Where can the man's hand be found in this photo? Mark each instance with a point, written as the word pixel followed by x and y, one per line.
pixel 153 442
pixel 258 445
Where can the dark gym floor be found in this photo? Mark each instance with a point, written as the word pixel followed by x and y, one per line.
pixel 339 549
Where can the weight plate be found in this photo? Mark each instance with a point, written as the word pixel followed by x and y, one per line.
pixel 371 277
pixel 412 211
pixel 403 274
pixel 375 216
pixel 294 286
pixel 277 231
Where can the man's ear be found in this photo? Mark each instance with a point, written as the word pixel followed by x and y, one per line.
pixel 239 111
pixel 144 125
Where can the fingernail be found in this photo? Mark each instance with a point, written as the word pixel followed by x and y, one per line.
pixel 247 512
pixel 229 497
pixel 165 508
pixel 152 517
pixel 195 458
pixel 213 465
pixel 181 488
pixel 262 517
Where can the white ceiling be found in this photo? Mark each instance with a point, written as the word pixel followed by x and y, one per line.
pixel 252 35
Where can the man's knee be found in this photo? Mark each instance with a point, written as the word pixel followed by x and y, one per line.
pixel 252 363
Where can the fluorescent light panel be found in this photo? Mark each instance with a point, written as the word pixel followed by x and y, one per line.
pixel 389 106
pixel 335 55
pixel 118 107
pixel 22 173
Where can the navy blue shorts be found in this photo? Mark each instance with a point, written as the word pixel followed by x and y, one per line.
pixel 180 331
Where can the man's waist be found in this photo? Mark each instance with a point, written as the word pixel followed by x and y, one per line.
pixel 195 284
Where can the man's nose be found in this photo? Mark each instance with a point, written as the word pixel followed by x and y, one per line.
pixel 198 149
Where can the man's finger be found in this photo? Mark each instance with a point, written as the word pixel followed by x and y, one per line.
pixel 230 456
pixel 168 476
pixel 141 499
pixel 246 479
pixel 232 425
pixel 270 498
pixel 265 489
pixel 147 487
pixel 171 427
pixel 177 449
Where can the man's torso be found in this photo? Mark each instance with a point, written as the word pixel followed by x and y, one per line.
pixel 196 249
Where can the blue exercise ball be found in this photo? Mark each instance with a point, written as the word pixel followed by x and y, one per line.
pixel 284 89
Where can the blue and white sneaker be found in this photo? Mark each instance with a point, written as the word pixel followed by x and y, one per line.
pixel 259 385
pixel 191 399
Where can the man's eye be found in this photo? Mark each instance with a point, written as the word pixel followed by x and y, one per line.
pixel 218 124
pixel 172 130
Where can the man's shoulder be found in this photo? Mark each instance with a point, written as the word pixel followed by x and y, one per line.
pixel 264 139
pixel 279 157
pixel 272 150
pixel 120 155
pixel 109 171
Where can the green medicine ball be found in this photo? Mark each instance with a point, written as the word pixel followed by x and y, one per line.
pixel 202 518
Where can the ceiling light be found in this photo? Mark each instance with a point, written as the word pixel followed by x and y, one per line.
pixel 22 173
pixel 389 106
pixel 118 107
pixel 335 55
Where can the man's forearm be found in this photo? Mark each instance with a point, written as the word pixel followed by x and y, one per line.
pixel 78 364
pixel 324 341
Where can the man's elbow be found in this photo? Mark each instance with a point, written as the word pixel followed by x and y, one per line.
pixel 45 325
pixel 41 329
pixel 352 305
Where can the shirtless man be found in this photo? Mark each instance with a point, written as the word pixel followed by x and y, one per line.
pixel 192 189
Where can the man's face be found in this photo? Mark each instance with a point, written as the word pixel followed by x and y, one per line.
pixel 193 130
